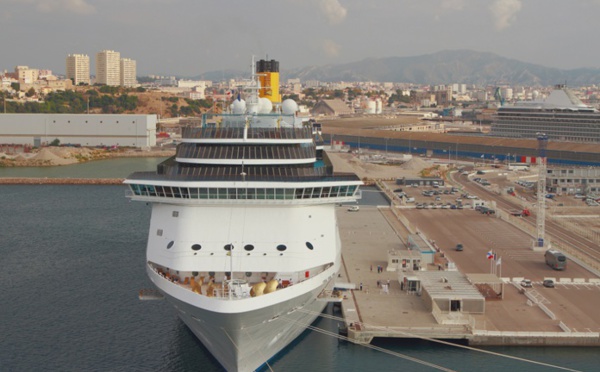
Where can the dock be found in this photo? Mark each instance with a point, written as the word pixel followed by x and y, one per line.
pixel 519 318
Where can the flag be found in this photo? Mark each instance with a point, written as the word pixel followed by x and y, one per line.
pixel 490 255
pixel 499 261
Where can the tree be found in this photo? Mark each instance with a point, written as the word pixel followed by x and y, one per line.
pixel 30 93
pixel 56 142
pixel 16 86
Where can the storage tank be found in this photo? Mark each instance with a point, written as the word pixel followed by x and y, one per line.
pixel 371 107
pixel 378 106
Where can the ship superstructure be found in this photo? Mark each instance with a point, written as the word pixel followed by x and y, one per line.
pixel 243 235
pixel 561 116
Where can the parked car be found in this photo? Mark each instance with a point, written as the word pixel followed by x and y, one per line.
pixel 526 283
pixel 459 247
pixel 548 283
pixel 354 208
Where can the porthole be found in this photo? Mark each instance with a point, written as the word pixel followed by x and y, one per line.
pixel 249 247
pixel 196 247
pixel 228 247
pixel 281 247
pixel 248 274
pixel 170 245
pixel 309 246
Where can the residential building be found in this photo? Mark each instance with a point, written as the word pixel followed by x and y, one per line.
pixel 78 68
pixel 26 75
pixel 128 72
pixel 108 68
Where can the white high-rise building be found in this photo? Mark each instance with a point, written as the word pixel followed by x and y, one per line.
pixel 108 68
pixel 128 72
pixel 78 68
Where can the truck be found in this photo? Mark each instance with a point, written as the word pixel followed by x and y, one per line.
pixel 520 212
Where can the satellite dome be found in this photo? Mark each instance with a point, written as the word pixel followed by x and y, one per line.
pixel 289 107
pixel 238 106
pixel 264 105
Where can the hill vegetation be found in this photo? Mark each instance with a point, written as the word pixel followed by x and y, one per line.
pixel 108 100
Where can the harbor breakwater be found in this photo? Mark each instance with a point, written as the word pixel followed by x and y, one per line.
pixel 59 181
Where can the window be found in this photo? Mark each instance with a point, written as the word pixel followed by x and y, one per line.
pixel 281 247
pixel 196 247
pixel 159 232
pixel 170 245
pixel 309 246
pixel 175 213
pixel 228 247
pixel 249 247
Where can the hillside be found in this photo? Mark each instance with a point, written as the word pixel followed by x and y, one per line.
pixel 449 66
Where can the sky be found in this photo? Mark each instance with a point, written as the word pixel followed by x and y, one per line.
pixel 191 37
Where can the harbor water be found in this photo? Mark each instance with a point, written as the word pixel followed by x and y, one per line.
pixel 73 263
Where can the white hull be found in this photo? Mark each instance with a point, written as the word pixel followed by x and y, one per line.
pixel 244 340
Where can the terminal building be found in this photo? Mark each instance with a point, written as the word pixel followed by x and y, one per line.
pixel 573 180
pixel 78 129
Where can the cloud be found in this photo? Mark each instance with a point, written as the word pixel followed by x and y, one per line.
pixel 453 4
pixel 505 12
pixel 331 48
pixel 333 10
pixel 50 6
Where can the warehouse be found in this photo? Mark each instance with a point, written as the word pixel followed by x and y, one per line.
pixel 78 130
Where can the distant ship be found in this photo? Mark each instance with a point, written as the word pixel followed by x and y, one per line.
pixel 561 116
pixel 243 237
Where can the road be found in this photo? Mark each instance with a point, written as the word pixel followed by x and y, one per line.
pixel 590 251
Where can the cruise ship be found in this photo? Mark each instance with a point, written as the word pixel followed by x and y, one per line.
pixel 243 237
pixel 561 116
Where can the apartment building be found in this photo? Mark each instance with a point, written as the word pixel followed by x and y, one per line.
pixel 128 72
pixel 26 75
pixel 108 68
pixel 78 68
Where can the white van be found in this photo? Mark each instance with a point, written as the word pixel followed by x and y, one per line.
pixel 410 200
pixel 353 208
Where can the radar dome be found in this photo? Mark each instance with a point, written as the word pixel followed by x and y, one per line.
pixel 238 106
pixel 289 107
pixel 264 105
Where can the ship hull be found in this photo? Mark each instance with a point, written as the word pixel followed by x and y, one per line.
pixel 244 340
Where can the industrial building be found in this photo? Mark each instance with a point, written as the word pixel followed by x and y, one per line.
pixel 78 129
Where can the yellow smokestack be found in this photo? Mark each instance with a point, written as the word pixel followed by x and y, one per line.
pixel 268 75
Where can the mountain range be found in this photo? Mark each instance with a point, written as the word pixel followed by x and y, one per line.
pixel 444 67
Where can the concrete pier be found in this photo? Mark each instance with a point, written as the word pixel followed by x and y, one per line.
pixel 369 234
